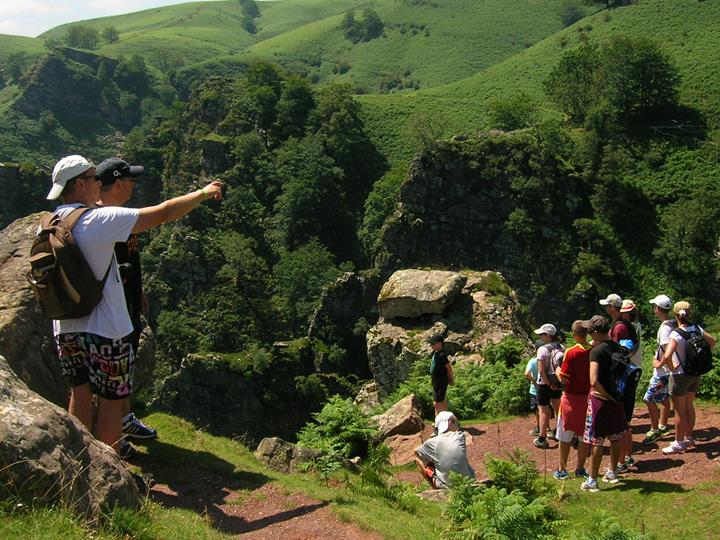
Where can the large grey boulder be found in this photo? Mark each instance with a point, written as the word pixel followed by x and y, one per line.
pixel 403 418
pixel 48 456
pixel 483 313
pixel 412 293
pixel 26 338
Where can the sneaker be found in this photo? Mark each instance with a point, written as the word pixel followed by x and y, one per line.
pixel 561 475
pixel 689 442
pixel 664 430
pixel 651 437
pixel 541 443
pixel 127 450
pixel 551 434
pixel 621 469
pixel 674 448
pixel 135 429
pixel 590 485
pixel 535 431
pixel 610 477
pixel 629 461
pixel 581 473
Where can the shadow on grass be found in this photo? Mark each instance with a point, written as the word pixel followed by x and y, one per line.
pixel 645 487
pixel 202 482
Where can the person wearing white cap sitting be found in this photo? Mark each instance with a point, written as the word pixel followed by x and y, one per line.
pixel 549 357
pixel 95 352
pixel 657 392
pixel 445 453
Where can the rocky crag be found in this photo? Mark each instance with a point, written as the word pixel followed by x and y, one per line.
pixel 471 309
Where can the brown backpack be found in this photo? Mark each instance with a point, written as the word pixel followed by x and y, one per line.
pixel 61 278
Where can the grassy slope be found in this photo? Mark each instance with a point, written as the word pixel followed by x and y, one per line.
pixel 15 44
pixel 689 31
pixel 463 37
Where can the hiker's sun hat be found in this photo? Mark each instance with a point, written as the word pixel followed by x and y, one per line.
pixel 613 300
pixel 627 306
pixel 114 168
pixel 442 421
pixel 66 169
pixel 597 323
pixel 546 328
pixel 662 301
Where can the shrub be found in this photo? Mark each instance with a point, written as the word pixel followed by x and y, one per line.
pixel 517 474
pixel 338 428
pixel 605 527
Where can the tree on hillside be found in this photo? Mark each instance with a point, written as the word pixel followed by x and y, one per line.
pixel 110 34
pixel 571 11
pixel 83 37
pixel 365 29
pixel 249 8
pixel 572 83
pixel 16 64
pixel 131 74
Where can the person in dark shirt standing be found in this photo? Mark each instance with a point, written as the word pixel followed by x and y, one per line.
pixel 441 372
pixel 606 416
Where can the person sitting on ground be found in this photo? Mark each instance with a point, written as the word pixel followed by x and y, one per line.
pixel 531 374
pixel 441 372
pixel 575 375
pixel 682 387
pixel 444 453
pixel 605 416
pixel 549 358
pixel 657 392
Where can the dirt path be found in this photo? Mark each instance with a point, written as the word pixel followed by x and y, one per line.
pixel 698 465
pixel 258 510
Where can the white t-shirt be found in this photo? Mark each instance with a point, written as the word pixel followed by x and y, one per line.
pixel 95 234
pixel 547 353
pixel 679 355
pixel 663 337
pixel 448 452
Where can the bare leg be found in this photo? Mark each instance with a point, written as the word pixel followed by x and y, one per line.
pixel 679 404
pixel 564 453
pixel 421 466
pixel 654 415
pixel 544 419
pixel 582 453
pixel 665 412
pixel 81 404
pixel 690 414
pixel 597 455
pixel 555 403
pixel 615 454
pixel 109 428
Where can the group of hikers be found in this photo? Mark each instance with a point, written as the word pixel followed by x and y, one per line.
pixel 97 350
pixel 590 388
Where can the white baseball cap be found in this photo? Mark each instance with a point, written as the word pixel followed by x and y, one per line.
pixel 662 301
pixel 442 421
pixel 612 300
pixel 65 169
pixel 546 328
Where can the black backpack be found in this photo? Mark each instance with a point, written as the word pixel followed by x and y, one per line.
pixel 698 356
pixel 624 376
pixel 60 277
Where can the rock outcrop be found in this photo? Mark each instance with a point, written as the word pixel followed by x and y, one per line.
pixel 483 312
pixel 413 293
pixel 48 456
pixel 403 418
pixel 25 334
pixel 283 456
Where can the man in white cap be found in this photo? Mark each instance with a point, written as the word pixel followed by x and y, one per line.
pixel 95 352
pixel 657 392
pixel 549 389
pixel 445 453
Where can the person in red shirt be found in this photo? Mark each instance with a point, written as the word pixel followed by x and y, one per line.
pixel 575 375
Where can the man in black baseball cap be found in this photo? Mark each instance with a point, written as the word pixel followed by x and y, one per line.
pixel 114 169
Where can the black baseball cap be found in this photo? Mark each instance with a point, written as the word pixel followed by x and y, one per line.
pixel 114 168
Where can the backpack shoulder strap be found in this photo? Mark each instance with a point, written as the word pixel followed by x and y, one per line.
pixel 73 217
pixel 684 333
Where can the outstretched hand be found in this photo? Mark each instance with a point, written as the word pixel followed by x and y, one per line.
pixel 213 190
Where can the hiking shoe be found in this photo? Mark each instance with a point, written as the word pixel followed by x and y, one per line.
pixel 610 477
pixel 127 450
pixel 664 430
pixel 629 461
pixel 561 475
pixel 551 434
pixel 689 442
pixel 651 437
pixel 535 431
pixel 135 429
pixel 541 443
pixel 621 468
pixel 674 448
pixel 581 473
pixel 590 485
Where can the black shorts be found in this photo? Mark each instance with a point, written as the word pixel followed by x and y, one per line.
pixel 545 394
pixel 439 391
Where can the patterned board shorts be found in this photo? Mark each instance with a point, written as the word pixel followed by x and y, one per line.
pixel 107 364
pixel 657 391
pixel 605 420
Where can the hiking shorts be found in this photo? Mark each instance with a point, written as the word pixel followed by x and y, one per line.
pixel 681 384
pixel 657 391
pixel 604 420
pixel 533 402
pixel 107 364
pixel 546 394
pixel 439 391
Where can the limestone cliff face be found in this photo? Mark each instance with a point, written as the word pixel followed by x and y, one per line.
pixel 496 202
pixel 25 334
pixel 471 309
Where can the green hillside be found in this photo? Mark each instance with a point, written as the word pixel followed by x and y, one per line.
pixel 689 31
pixel 15 44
